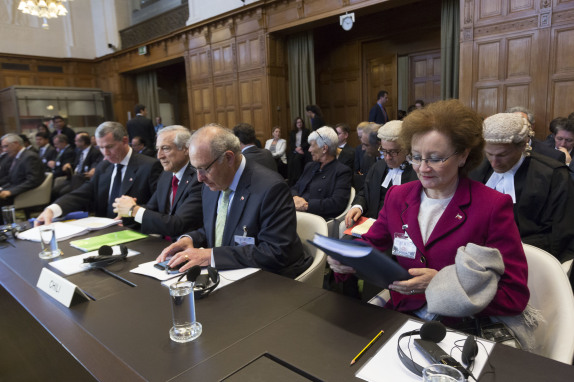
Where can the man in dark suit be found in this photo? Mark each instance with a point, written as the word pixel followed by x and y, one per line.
pixel 248 215
pixel 378 113
pixel 122 172
pixel 66 156
pixel 175 207
pixel 60 127
pixel 246 134
pixel 140 126
pixel 24 173
pixel 27 143
pixel 140 146
pixel 345 153
pixel 46 151
pixel 540 187
pixel 83 168
pixel 370 145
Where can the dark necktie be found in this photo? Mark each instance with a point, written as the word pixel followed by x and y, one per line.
pixel 116 190
pixel 174 183
pixel 80 164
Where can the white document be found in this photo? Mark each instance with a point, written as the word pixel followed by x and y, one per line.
pixel 75 264
pixel 386 365
pixel 65 231
pixel 148 269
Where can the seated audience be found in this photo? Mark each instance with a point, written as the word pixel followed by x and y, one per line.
pixel 175 207
pixel 46 151
pixel 140 146
pixel 370 146
pixel 446 216
pixel 248 215
pixel 419 104
pixel 60 127
pixel 278 147
pixel 564 139
pixel 122 172
pixel 246 134
pixel 27 143
pixel 324 188
pixel 540 188
pixel 24 173
pixel 298 153
pixel 66 156
pixel 345 153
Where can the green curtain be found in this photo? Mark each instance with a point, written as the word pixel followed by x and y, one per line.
pixel 148 93
pixel 449 48
pixel 301 64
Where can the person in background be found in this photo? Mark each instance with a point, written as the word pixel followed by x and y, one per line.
pixel 446 217
pixel 246 134
pixel 60 127
pixel 278 147
pixel 27 143
pixel 564 139
pixel 345 153
pixel 158 125
pixel 141 126
pixel 419 104
pixel 140 146
pixel 314 114
pixel 324 188
pixel 370 146
pixel 378 113
pixel 359 152
pixel 46 151
pixel 66 155
pixel 298 150
pixel 43 128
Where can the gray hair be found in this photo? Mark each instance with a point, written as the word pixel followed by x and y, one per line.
pixel 182 135
pixel 116 128
pixel 224 140
pixel 521 109
pixel 372 129
pixel 325 136
pixel 11 138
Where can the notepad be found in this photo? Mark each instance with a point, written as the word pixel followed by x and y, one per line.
pixel 114 238
pixel 69 229
pixel 361 227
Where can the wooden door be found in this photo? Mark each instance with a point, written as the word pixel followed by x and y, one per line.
pixel 424 77
pixel 382 75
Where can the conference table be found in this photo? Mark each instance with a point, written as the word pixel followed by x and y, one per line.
pixel 263 324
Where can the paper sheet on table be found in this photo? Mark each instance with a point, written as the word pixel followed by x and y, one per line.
pixel 226 277
pixel 64 231
pixel 94 223
pixel 386 365
pixel 75 264
pixel 148 269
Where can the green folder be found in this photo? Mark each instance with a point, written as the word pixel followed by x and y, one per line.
pixel 114 238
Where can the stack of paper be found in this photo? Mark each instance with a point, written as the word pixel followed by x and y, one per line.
pixel 361 227
pixel 67 230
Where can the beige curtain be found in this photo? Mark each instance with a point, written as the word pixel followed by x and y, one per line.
pixel 449 48
pixel 301 64
pixel 148 94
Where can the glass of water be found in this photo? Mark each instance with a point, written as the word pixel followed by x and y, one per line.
pixel 442 373
pixel 9 216
pixel 185 327
pixel 49 244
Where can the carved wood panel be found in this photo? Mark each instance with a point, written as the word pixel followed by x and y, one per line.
pixel 425 74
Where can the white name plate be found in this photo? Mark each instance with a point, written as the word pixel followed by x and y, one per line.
pixel 59 288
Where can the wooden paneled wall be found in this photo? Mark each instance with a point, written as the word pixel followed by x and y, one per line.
pixel 518 53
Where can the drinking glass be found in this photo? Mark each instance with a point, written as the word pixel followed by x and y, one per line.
pixel 442 373
pixel 185 327
pixel 49 244
pixel 9 216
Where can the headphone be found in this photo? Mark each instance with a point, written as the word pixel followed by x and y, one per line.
pixel 106 256
pixel 435 331
pixel 204 284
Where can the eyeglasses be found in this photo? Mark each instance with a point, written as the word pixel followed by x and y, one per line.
pixel 417 160
pixel 390 153
pixel 205 171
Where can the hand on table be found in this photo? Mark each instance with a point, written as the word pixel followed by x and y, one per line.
pixel 183 251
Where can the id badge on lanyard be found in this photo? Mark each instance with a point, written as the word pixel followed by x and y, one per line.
pixel 403 245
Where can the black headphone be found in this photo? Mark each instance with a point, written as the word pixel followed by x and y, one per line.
pixel 435 331
pixel 204 284
pixel 106 256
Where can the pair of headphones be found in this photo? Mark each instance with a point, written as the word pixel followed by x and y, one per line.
pixel 106 256
pixel 435 331
pixel 204 284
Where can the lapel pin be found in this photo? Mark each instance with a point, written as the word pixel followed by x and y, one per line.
pixel 131 179
pixel 459 216
pixel 242 198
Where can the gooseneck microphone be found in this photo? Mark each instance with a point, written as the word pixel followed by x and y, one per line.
pixel 106 257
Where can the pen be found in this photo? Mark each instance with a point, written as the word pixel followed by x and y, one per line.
pixel 367 347
pixel 118 277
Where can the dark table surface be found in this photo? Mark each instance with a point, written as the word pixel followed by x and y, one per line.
pixel 264 321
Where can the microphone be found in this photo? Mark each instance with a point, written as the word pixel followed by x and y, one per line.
pixel 433 331
pixel 106 256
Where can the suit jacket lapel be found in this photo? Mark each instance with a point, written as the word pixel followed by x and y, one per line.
pixel 130 175
pixel 410 217
pixel 453 216
pixel 235 212
pixel 104 182
pixel 182 186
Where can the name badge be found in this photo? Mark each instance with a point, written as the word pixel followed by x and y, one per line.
pixel 244 240
pixel 403 246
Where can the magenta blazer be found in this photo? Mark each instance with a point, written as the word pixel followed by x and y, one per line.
pixel 476 214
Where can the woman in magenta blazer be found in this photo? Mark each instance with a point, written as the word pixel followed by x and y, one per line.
pixel 445 210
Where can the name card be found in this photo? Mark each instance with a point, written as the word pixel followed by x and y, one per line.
pixel 64 291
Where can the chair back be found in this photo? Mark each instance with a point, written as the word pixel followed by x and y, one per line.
pixel 38 196
pixel 333 224
pixel 551 293
pixel 307 225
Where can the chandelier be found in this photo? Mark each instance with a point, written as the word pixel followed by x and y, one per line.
pixel 46 9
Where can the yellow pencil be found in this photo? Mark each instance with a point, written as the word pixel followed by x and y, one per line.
pixel 367 347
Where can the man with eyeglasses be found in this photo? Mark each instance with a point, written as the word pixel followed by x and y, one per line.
pixel 175 207
pixel 392 171
pixel 122 172
pixel 248 215
pixel 540 187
